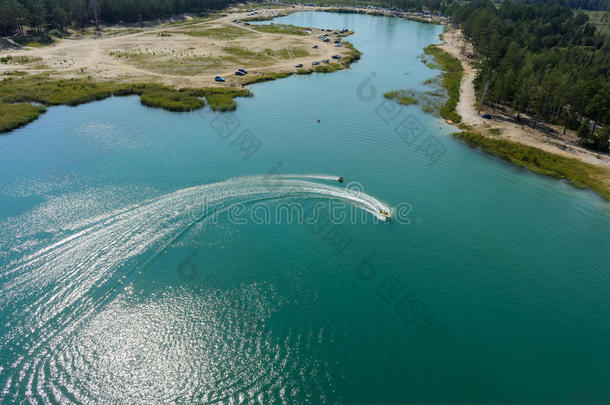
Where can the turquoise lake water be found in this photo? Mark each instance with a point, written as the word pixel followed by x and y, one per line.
pixel 138 265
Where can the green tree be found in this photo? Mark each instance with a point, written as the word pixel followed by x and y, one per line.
pixel 601 138
pixel 12 17
pixel 584 132
pixel 38 15
pixel 60 17
pixel 599 107
pixel 79 12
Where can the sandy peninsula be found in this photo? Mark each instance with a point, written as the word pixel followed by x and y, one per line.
pixel 180 54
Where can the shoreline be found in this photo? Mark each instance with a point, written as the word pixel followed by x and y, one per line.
pixel 77 71
pixel 526 148
pixel 532 149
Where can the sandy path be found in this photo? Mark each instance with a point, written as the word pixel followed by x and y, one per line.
pixel 553 141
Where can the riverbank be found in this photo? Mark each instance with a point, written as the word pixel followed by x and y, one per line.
pixel 544 152
pixel 171 65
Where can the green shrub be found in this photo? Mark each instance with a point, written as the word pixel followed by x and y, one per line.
pixel 584 132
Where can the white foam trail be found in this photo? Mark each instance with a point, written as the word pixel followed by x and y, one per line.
pixel 310 176
pixel 74 275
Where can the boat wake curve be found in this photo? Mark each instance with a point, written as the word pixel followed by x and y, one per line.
pixel 85 270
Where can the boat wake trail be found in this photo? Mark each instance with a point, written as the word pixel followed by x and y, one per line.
pixel 311 177
pixel 52 290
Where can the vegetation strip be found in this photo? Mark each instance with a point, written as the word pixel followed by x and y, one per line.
pixel 280 29
pixel 16 115
pixel 404 97
pixel 452 77
pixel 17 94
pixel 580 174
pixel 432 102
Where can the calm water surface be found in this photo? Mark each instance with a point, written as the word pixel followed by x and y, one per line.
pixel 495 288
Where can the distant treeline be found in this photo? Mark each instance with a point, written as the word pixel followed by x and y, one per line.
pixel 581 4
pixel 42 15
pixel 432 5
pixel 440 5
pixel 543 59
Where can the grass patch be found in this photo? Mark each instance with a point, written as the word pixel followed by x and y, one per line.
pixel 280 29
pixel 16 115
pixel 42 89
pixel 291 52
pixel 266 56
pixel 171 100
pixel 429 101
pixel 224 32
pixel 352 54
pixel 185 66
pixel 434 81
pixel 246 53
pixel 452 76
pixel 332 67
pixel 19 60
pixel 173 63
pixel 264 18
pixel 241 55
pixel 15 73
pixel 17 94
pixel 580 174
pixel 401 96
pixel 265 77
pixel 223 99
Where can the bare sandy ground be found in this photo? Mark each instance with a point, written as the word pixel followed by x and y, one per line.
pixel 547 137
pixel 179 55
